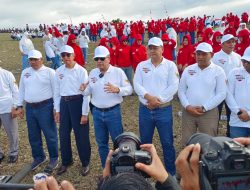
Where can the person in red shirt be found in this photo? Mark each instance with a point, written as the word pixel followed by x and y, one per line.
pixel 200 38
pixel 124 58
pixel 138 52
pixel 185 56
pixel 114 42
pixel 243 37
pixel 230 29
pixel 79 58
pixel 168 47
pixel 192 29
pixel 217 41
pixel 207 35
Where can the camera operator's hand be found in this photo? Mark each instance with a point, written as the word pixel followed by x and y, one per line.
pixel 51 184
pixel 156 169
pixel 106 170
pixel 187 165
pixel 243 140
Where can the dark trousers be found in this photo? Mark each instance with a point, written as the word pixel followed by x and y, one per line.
pixel 70 116
pixel 228 113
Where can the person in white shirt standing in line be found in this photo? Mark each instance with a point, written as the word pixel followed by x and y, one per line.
pixel 107 85
pixel 156 81
pixel 202 88
pixel 8 104
pixel 238 98
pixel 71 110
pixel 227 59
pixel 25 45
pixel 36 88
pixel 83 40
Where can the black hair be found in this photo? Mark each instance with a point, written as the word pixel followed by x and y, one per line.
pixel 125 181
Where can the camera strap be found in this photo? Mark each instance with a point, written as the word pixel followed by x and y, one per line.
pixel 204 183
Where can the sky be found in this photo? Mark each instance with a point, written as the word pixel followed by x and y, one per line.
pixel 18 13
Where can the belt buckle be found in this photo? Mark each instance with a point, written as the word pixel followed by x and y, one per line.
pixel 66 98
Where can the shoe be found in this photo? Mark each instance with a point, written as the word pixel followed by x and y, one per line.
pixel 61 170
pixel 85 170
pixel 36 163
pixel 51 166
pixel 1 157
pixel 13 159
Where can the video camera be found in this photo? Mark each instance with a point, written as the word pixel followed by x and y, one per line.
pixel 224 163
pixel 127 153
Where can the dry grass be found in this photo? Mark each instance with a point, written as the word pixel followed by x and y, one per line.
pixel 10 59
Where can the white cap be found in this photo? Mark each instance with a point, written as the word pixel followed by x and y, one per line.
pixel 101 51
pixel 205 47
pixel 155 41
pixel 246 55
pixel 227 37
pixel 35 54
pixel 67 49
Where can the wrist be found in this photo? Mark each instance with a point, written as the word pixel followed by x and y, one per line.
pixel 163 177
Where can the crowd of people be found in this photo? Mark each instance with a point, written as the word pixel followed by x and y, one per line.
pixel 206 65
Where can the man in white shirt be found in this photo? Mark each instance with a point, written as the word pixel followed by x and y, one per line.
pixel 238 98
pixel 8 104
pixel 25 45
pixel 36 89
pixel 202 88
pixel 71 110
pixel 155 82
pixel 107 85
pixel 227 59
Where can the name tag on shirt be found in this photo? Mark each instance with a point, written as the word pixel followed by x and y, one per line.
pixel 146 70
pixel 191 72
pixel 239 77
pixel 222 61
pixel 27 75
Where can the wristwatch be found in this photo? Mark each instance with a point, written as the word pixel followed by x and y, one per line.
pixel 203 109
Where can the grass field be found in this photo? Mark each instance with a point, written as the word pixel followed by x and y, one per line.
pixel 10 59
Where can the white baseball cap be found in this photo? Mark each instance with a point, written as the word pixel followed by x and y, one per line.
pixel 35 54
pixel 101 51
pixel 246 55
pixel 67 49
pixel 227 37
pixel 155 41
pixel 205 47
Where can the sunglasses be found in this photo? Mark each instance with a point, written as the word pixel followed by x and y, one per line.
pixel 101 75
pixel 33 59
pixel 245 61
pixel 99 58
pixel 65 54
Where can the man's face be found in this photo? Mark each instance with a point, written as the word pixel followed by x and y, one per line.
pixel 155 51
pixel 36 63
pixel 68 58
pixel 203 58
pixel 228 46
pixel 246 65
pixel 102 63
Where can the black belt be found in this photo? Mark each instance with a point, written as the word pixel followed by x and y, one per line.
pixel 37 104
pixel 69 98
pixel 107 109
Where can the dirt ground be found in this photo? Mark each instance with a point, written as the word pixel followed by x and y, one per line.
pixel 10 59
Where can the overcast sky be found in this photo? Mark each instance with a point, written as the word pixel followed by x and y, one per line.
pixel 19 12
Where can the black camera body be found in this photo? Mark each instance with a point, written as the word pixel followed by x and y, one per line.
pixel 224 163
pixel 127 153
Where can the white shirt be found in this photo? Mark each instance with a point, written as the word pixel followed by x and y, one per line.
pixel 83 41
pixel 8 91
pixel 36 85
pixel 160 81
pixel 227 61
pixel 172 35
pixel 67 83
pixel 238 95
pixel 116 77
pixel 49 49
pixel 205 87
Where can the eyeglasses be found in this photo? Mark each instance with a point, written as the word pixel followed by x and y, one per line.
pixel 101 75
pixel 65 54
pixel 99 58
pixel 125 41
